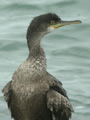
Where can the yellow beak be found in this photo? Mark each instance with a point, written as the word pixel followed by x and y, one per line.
pixel 64 23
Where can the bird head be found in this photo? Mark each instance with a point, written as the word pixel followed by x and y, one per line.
pixel 46 23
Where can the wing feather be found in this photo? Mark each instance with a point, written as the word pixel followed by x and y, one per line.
pixel 57 100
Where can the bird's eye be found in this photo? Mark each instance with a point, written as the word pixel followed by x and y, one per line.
pixel 52 22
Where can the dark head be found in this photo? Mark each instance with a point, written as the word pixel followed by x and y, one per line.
pixel 43 24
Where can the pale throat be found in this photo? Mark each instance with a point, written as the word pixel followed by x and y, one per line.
pixel 50 29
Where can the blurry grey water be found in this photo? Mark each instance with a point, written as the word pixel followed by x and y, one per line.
pixel 67 49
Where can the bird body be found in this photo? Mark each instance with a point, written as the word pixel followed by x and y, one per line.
pixel 33 93
pixel 30 100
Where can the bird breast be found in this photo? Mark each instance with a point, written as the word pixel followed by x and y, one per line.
pixel 30 69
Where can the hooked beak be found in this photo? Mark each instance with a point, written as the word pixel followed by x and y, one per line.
pixel 64 23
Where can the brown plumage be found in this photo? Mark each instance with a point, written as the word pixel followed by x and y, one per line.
pixel 33 93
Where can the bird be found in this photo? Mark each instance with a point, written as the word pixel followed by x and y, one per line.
pixel 33 93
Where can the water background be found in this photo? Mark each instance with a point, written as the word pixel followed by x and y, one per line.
pixel 67 49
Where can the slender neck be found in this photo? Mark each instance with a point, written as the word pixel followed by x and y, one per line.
pixel 36 56
pixel 36 51
pixel 34 44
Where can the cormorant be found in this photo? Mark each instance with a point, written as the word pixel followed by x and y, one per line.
pixel 33 93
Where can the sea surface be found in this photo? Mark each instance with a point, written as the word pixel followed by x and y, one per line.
pixel 67 49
